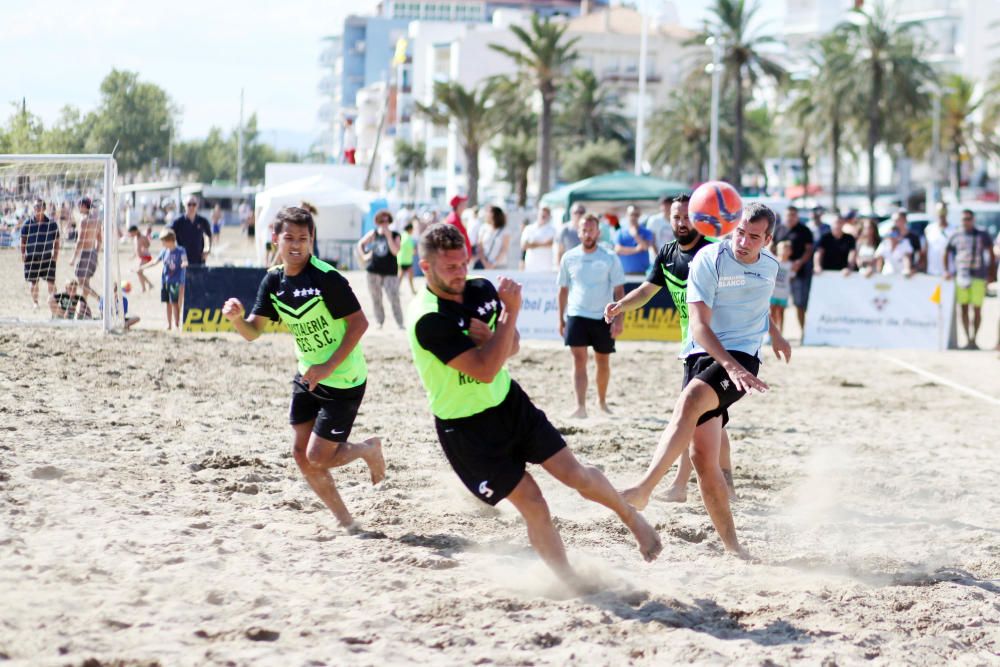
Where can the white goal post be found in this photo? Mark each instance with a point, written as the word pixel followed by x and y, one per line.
pixel 58 183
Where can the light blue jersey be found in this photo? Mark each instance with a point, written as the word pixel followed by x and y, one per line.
pixel 738 294
pixel 591 278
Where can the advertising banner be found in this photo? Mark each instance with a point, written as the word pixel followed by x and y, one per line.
pixel 206 289
pixel 880 312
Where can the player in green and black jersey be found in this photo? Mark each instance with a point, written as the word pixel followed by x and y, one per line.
pixel 462 331
pixel 670 270
pixel 317 305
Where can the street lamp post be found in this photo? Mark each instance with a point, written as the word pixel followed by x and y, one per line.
pixel 715 68
pixel 935 149
pixel 640 126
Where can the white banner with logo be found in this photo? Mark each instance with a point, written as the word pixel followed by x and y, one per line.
pixel 539 315
pixel 880 311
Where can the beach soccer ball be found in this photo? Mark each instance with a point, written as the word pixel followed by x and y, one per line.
pixel 715 208
pixel 126 286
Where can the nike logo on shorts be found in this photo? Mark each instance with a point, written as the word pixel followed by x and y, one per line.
pixel 279 293
pixel 484 490
pixel 332 432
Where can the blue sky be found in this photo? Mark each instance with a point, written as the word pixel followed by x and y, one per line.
pixel 201 52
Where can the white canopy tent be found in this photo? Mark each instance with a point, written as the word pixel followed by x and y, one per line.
pixel 341 209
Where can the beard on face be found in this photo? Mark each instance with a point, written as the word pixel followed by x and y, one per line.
pixel 690 237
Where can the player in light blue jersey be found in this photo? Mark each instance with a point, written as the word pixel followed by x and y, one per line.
pixel 729 295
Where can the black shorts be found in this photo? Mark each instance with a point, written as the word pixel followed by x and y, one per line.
pixel 39 267
pixel 170 293
pixel 406 267
pixel 799 286
pixel 489 451
pixel 585 332
pixel 709 371
pixel 333 410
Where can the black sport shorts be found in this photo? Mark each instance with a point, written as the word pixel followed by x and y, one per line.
pixel 489 451
pixel 709 371
pixel 333 410
pixel 39 267
pixel 585 332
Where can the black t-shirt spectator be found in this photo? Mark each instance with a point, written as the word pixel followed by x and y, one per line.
pixel 835 251
pixel 39 236
pixel 191 237
pixel 800 236
pixel 383 262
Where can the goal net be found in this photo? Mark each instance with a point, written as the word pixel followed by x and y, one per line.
pixel 59 241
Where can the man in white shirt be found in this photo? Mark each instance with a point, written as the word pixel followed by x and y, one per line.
pixel 537 240
pixel 659 224
pixel 937 235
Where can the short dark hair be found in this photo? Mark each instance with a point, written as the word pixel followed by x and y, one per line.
pixel 666 199
pixel 309 207
pixel 498 216
pixel 133 228
pixel 968 211
pixel 294 215
pixel 681 199
pixel 86 203
pixel 408 227
pixel 791 207
pixel 755 211
pixel 441 236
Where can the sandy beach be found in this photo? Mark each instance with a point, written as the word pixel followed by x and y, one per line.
pixel 151 513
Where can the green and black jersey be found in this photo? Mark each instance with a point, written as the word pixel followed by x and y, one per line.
pixel 313 305
pixel 439 332
pixel 670 270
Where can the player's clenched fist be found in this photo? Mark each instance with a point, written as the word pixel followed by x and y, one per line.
pixel 509 292
pixel 232 309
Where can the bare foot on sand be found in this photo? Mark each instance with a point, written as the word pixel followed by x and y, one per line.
pixel 742 554
pixel 605 409
pixel 375 460
pixel 636 498
pixel 581 413
pixel 675 494
pixel 647 537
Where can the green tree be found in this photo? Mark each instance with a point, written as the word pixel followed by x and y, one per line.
pixel 890 70
pixel 594 158
pixel 136 116
pixel 411 161
pixel 590 112
pixel 70 132
pixel 23 133
pixel 476 117
pixel 516 148
pixel 745 60
pixel 679 135
pixel 542 57
pixel 830 88
pixel 966 132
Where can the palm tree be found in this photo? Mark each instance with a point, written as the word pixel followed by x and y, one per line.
pixel 476 118
pixel 517 148
pixel 411 160
pixel 590 112
pixel 679 135
pixel 745 61
pixel 802 116
pixel 960 131
pixel 890 66
pixel 830 90
pixel 542 57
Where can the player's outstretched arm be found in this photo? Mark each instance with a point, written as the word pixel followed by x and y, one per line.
pixel 781 347
pixel 485 362
pixel 251 327
pixel 701 330
pixel 634 300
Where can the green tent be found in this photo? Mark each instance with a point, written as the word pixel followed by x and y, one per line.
pixel 618 186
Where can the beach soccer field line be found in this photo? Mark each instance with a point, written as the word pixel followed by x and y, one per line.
pixel 943 380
